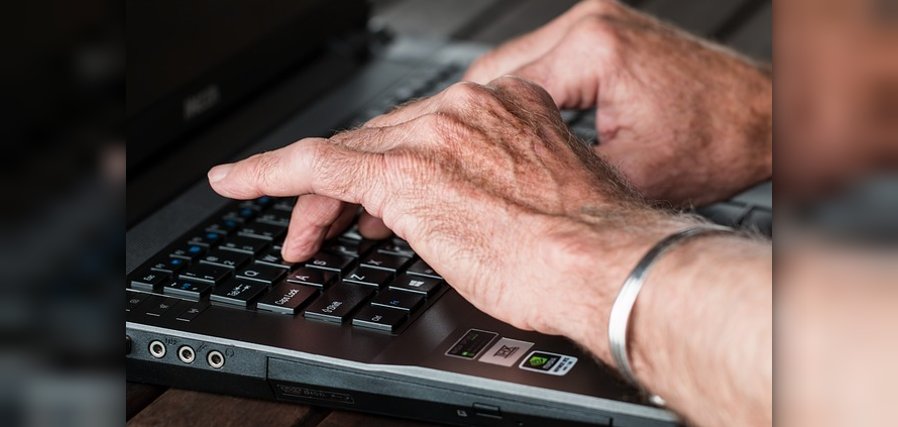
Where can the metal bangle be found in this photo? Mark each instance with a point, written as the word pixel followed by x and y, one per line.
pixel 618 322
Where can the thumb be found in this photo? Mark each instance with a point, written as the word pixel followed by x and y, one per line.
pixel 572 71
pixel 568 83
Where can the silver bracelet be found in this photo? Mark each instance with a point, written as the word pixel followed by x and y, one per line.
pixel 618 323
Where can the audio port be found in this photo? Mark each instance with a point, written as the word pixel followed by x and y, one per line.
pixel 215 359
pixel 186 354
pixel 157 349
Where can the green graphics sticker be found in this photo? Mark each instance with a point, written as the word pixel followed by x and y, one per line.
pixel 548 363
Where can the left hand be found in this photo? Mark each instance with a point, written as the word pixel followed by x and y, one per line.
pixel 685 121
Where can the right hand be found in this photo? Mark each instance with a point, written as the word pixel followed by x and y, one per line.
pixel 490 189
pixel 686 121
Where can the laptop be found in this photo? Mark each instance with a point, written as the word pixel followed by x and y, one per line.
pixel 363 325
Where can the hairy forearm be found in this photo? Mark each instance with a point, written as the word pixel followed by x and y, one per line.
pixel 701 332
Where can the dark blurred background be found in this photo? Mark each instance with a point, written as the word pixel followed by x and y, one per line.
pixel 61 238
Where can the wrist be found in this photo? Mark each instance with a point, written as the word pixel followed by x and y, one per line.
pixel 595 264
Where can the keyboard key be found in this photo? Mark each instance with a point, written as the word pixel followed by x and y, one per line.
pixel 188 252
pixel 759 219
pixel 284 205
pixel 264 201
pixel 258 230
pixel 368 277
pixel 207 239
pixel 337 303
pixel 244 244
pixel 273 258
pixel 227 259
pixel 205 273
pixel 397 246
pixel 405 301
pixel 420 268
pixel 587 135
pixel 251 204
pixel 729 214
pixel 262 273
pixel 185 289
pixel 383 319
pixel 569 116
pixel 311 277
pixel 352 233
pixel 416 284
pixel 238 292
pixel 241 214
pixel 587 119
pixel 275 217
pixel 169 265
pixel 385 261
pixel 396 250
pixel 344 247
pixel 286 298
pixel 223 227
pixel 135 299
pixel 161 307
pixel 150 281
pixel 330 262
pixel 348 247
pixel 191 310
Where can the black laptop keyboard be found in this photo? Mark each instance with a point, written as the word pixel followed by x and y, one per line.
pixel 233 259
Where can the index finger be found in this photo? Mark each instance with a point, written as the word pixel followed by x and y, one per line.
pixel 308 166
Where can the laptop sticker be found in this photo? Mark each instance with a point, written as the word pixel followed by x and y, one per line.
pixel 548 363
pixel 471 344
pixel 505 352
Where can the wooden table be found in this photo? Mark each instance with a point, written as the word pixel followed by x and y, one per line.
pixel 149 405
pixel 744 25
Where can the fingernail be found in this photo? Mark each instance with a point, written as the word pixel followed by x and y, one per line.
pixel 219 172
pixel 286 254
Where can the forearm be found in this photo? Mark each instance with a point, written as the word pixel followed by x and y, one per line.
pixel 701 331
pixel 701 335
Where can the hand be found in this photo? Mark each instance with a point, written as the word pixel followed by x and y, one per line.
pixel 684 120
pixel 489 187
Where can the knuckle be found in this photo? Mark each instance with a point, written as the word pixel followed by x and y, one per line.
pixel 467 93
pixel 516 84
pixel 445 128
pixel 525 90
pixel 599 6
pixel 318 153
pixel 372 184
pixel 263 168
pixel 598 29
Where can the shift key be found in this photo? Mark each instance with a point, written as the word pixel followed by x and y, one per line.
pixel 338 303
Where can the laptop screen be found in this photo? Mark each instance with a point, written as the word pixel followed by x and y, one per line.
pixel 188 61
